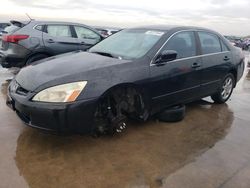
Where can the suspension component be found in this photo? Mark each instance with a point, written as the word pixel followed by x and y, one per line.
pixel 114 109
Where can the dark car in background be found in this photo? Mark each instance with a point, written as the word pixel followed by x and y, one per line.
pixel 2 26
pixel 235 41
pixel 22 43
pixel 135 73
pixel 241 42
pixel 246 44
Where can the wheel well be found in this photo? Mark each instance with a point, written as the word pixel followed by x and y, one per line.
pixel 131 89
pixel 124 85
pixel 37 53
pixel 128 85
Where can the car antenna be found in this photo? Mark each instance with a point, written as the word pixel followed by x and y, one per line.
pixel 29 17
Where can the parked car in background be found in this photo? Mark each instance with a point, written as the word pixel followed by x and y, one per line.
pixel 133 74
pixel 105 32
pixel 22 43
pixel 248 63
pixel 2 26
pixel 246 44
pixel 235 41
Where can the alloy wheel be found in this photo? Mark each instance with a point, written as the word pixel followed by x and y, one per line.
pixel 227 88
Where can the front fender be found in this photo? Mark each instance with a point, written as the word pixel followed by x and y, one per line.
pixel 101 80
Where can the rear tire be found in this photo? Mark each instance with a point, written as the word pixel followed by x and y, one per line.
pixel 36 57
pixel 225 90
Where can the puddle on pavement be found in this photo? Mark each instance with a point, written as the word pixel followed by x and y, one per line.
pixel 4 87
pixel 144 153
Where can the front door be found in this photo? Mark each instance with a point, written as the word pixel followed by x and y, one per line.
pixel 177 81
pixel 86 38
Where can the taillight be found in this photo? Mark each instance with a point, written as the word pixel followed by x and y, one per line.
pixel 14 38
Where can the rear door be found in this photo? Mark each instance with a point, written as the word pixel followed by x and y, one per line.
pixel 179 80
pixel 59 39
pixel 216 59
pixel 86 38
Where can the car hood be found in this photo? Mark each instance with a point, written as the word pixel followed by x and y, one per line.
pixel 62 69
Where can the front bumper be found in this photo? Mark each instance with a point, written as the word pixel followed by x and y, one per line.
pixel 76 117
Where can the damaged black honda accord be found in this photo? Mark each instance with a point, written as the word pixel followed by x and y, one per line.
pixel 134 73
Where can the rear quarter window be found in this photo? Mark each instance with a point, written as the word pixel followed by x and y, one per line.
pixel 39 27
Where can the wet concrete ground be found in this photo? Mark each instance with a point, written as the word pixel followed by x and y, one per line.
pixel 209 148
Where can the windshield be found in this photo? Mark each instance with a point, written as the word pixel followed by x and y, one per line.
pixel 128 44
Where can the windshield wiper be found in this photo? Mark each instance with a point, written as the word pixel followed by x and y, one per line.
pixel 106 54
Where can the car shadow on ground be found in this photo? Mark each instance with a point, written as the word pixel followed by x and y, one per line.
pixel 143 155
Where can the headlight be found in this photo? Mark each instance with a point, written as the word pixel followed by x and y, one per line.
pixel 61 93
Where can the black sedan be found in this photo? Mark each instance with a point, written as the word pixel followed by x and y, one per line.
pixel 135 73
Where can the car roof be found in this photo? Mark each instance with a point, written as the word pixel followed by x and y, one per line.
pixel 56 22
pixel 48 22
pixel 37 22
pixel 170 27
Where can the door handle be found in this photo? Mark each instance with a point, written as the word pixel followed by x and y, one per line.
pixel 85 44
pixel 226 58
pixel 50 41
pixel 196 65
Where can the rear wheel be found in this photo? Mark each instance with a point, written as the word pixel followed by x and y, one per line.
pixel 35 57
pixel 225 89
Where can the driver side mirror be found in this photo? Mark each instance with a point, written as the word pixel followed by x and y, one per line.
pixel 166 56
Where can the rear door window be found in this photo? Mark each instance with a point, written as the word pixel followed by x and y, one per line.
pixel 59 30
pixel 183 43
pixel 210 43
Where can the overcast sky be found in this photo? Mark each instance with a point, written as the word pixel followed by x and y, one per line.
pixel 225 16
